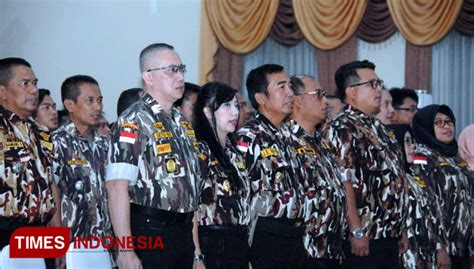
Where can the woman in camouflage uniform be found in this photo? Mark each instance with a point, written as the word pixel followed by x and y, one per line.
pixel 424 223
pixel 223 204
pixel 437 164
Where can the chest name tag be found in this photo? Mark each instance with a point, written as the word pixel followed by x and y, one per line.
pixel 161 135
pixel 269 152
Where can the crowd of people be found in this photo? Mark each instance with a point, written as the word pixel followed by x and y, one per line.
pixel 288 178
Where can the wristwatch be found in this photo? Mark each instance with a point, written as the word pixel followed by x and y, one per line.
pixel 199 257
pixel 357 233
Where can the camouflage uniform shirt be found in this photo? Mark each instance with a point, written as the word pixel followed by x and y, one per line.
pixel 220 202
pixel 25 170
pixel 157 153
pixel 79 170
pixel 325 199
pixel 450 180
pixel 424 223
pixel 371 159
pixel 276 174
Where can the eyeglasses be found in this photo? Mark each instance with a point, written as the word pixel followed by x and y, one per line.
pixel 374 83
pixel 442 123
pixel 410 109
pixel 320 92
pixel 170 69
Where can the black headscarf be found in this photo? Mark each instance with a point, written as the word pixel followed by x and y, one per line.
pixel 400 130
pixel 423 128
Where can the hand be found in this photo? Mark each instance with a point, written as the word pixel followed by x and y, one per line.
pixel 61 262
pixel 443 260
pixel 128 260
pixel 360 246
pixel 199 265
pixel 403 244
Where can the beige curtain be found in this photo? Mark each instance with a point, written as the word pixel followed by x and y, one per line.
pixel 241 25
pixel 424 22
pixel 208 47
pixel 327 24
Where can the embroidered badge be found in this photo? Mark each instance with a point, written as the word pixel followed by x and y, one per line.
pixel 127 137
pixel 226 185
pixel 420 160
pixel 170 164
pixel 269 152
pixel 163 148
pixel 161 135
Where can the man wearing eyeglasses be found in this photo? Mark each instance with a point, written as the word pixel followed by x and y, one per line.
pixel 153 161
pixel 370 159
pixel 324 202
pixel 405 103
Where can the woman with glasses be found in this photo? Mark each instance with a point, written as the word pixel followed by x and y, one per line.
pixel 222 216
pixel 426 232
pixel 437 164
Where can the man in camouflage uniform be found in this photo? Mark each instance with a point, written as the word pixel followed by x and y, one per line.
pixel 275 172
pixel 26 185
pixel 80 154
pixel 372 165
pixel 153 160
pixel 324 206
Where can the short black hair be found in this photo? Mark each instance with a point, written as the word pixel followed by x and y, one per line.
pixel 70 87
pixel 257 81
pixel 189 88
pixel 347 74
pixel 127 98
pixel 151 49
pixel 6 65
pixel 399 94
pixel 297 85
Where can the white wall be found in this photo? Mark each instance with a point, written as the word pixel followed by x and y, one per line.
pixel 101 38
pixel 389 59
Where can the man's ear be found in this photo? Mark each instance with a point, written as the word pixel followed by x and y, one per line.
pixel 260 98
pixel 146 76
pixel 350 93
pixel 69 105
pixel 3 92
pixel 207 113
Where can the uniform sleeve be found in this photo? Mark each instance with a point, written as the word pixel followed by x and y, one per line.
pixel 339 140
pixel 125 152
pixel 263 198
pixel 57 160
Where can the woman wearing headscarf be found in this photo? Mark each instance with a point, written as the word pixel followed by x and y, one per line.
pixel 466 145
pixel 424 223
pixel 437 164
pixel 222 217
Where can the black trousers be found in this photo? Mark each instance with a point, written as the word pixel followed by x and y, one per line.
pixel 459 262
pixel 314 263
pixel 176 237
pixel 277 244
pixel 224 248
pixel 383 254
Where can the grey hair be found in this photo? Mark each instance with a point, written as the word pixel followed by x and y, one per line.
pixel 150 51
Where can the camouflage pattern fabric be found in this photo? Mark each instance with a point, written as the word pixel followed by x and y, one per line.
pixel 424 223
pixel 450 180
pixel 371 158
pixel 325 199
pixel 220 202
pixel 157 153
pixel 276 174
pixel 79 170
pixel 25 170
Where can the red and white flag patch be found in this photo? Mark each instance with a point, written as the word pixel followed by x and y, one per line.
pixel 127 137
pixel 420 160
pixel 242 146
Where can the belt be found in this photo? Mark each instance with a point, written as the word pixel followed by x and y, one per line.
pixel 11 224
pixel 230 228
pixel 166 217
pixel 281 226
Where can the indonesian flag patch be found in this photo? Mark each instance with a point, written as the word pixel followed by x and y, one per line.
pixel 127 137
pixel 242 146
pixel 420 160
